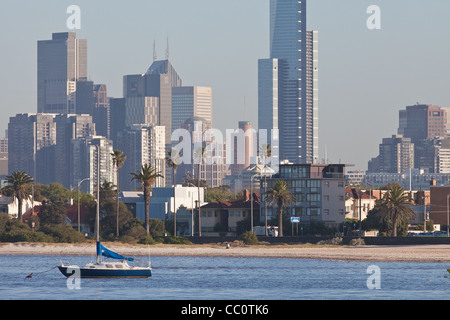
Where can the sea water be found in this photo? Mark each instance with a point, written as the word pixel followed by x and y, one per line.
pixel 191 278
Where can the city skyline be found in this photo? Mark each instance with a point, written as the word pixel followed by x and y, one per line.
pixel 363 85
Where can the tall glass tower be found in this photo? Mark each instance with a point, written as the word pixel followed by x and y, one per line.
pixel 288 83
pixel 62 64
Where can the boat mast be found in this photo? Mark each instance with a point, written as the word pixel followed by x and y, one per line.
pixel 97 218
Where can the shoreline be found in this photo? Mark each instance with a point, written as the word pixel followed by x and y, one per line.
pixel 413 253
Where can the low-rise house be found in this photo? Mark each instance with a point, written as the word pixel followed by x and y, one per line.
pixel 71 217
pixel 12 207
pixel 356 199
pixel 223 217
pixel 163 202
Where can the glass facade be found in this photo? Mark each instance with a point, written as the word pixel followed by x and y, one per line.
pixel 288 82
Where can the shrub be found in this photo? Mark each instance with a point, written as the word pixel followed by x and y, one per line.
pixel 127 239
pixel 249 238
pixel 357 242
pixel 176 240
pixel 148 240
pixel 136 232
pixel 333 242
pixel 63 233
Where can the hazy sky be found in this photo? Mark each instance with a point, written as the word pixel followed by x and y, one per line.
pixel 366 76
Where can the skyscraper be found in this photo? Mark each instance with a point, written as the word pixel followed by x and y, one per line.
pixel 86 162
pixel 31 146
pixel 141 144
pixel 62 62
pixel 188 102
pixel 157 82
pixel 68 128
pixel 288 83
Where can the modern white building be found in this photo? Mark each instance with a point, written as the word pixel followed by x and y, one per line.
pixel 86 162
pixel 141 145
pixel 163 203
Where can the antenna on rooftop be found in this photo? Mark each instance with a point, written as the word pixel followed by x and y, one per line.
pixel 155 57
pixel 167 49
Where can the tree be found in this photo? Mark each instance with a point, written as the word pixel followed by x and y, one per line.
pixel 199 154
pixel 52 214
pixel 19 183
pixel 147 177
pixel 118 160
pixel 107 192
pixel 173 161
pixel 394 207
pixel 109 218
pixel 280 196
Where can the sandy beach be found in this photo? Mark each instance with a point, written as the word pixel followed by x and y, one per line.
pixel 424 253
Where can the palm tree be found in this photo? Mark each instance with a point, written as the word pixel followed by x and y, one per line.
pixel 199 154
pixel 281 196
pixel 118 160
pixel 265 152
pixel 173 160
pixel 147 176
pixel 394 207
pixel 19 188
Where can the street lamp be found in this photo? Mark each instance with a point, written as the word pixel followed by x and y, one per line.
pixel 448 195
pixel 78 193
pixel 251 199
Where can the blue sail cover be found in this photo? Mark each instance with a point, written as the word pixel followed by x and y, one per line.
pixel 102 251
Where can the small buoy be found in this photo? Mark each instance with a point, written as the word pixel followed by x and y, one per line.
pixel 29 276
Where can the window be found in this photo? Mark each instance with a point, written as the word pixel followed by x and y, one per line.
pixel 313 197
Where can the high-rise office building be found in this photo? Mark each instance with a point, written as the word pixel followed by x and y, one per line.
pixel 68 128
pixel 396 154
pixel 87 162
pixel 188 102
pixel 141 145
pixel 288 83
pixel 62 62
pixel 245 148
pixel 31 146
pixel 101 115
pixel 423 121
pixel 157 82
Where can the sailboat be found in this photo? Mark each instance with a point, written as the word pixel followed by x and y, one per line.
pixel 105 268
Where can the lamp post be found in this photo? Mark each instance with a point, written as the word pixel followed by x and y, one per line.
pixel 251 199
pixel 448 195
pixel 78 193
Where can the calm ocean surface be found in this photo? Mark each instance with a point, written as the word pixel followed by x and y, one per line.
pixel 182 278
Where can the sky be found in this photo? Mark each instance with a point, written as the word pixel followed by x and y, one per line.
pixel 366 76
